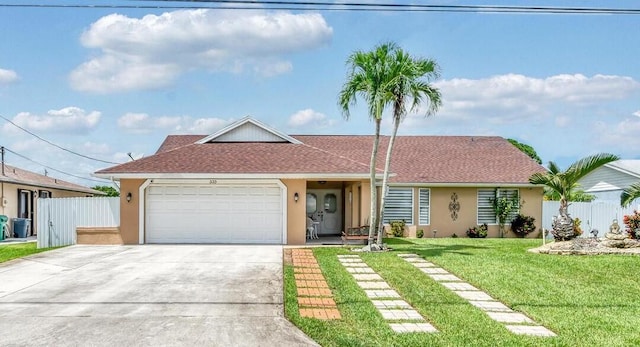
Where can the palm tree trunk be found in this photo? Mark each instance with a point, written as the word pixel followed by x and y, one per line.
pixel 385 177
pixel 372 177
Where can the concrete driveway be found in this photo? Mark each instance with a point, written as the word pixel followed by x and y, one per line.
pixel 152 295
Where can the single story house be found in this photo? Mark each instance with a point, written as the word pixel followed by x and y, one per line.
pixel 20 188
pixel 250 183
pixel 607 182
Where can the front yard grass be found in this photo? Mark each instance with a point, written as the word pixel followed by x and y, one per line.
pixel 585 300
pixel 19 250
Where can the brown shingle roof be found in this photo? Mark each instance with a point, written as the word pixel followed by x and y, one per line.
pixel 13 174
pixel 416 159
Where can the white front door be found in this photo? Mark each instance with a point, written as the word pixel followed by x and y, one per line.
pixel 325 206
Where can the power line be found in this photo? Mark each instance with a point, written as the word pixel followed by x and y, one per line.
pixel 340 6
pixel 50 168
pixel 57 146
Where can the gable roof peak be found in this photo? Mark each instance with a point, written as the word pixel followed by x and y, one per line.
pixel 248 129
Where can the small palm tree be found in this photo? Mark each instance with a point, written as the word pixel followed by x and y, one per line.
pixel 629 194
pixel 368 78
pixel 564 183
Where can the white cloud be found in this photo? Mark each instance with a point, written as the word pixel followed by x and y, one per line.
pixel 637 113
pixel 309 118
pixel 152 51
pixel 142 123
pixel 511 98
pixel 69 120
pixel 8 76
pixel 562 121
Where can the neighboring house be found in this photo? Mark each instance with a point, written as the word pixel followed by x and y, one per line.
pixel 19 190
pixel 249 183
pixel 607 182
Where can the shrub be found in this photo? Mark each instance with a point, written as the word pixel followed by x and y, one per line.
pixel 576 226
pixel 522 225
pixel 420 233
pixel 479 231
pixel 397 228
pixel 632 223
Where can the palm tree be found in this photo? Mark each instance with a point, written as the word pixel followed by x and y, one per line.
pixel 408 83
pixel 564 183
pixel 368 77
pixel 629 194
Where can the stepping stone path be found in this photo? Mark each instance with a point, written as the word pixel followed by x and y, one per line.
pixel 515 322
pixel 401 316
pixel 314 296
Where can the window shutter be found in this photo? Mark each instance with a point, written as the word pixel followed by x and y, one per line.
pixel 399 205
pixel 424 206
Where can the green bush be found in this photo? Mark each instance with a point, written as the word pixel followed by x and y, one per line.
pixel 479 231
pixel 522 225
pixel 420 233
pixel 397 228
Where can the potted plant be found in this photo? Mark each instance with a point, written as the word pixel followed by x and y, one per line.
pixel 522 225
pixel 479 231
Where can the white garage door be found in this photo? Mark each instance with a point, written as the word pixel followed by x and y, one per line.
pixel 214 213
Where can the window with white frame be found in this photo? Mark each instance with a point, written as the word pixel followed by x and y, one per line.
pixel 424 196
pixel 399 205
pixel 486 197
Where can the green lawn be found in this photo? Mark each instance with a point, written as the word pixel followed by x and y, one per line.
pixel 586 300
pixel 19 250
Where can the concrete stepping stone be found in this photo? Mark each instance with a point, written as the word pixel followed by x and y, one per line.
pixel 367 277
pixel 509 317
pixel 459 286
pixel 494 306
pixel 390 304
pixel 400 314
pixel 434 270
pixel 355 265
pixel 424 264
pixel 374 285
pixel 535 330
pixel 444 278
pixel 382 293
pixel 407 255
pixel 349 260
pixel 413 328
pixel 415 260
pixel 473 295
pixel 360 270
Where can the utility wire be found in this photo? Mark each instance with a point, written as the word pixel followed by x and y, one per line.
pixel 50 168
pixel 340 6
pixel 57 146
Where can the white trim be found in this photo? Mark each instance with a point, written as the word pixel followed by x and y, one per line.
pixel 285 208
pixel 309 176
pixel 465 185
pixel 141 215
pixel 255 122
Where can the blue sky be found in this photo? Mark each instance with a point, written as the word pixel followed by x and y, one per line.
pixel 105 82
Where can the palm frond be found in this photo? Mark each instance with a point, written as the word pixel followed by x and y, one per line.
pixel 629 194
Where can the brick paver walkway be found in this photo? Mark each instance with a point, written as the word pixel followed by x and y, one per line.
pixel 401 316
pixel 314 296
pixel 515 322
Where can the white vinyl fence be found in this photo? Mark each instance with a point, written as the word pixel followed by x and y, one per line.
pixel 58 218
pixel 594 215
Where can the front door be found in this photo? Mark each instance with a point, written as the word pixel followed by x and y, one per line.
pixel 25 206
pixel 325 206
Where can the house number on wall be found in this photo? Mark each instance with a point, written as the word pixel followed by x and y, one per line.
pixel 213 181
pixel 454 206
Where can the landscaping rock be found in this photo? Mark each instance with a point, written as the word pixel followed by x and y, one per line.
pixel 590 246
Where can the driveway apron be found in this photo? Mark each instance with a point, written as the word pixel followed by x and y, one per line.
pixel 151 295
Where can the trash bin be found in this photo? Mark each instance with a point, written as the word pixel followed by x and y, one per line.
pixel 20 227
pixel 3 225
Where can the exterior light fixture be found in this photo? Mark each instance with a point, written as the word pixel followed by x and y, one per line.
pixel 129 197
pixel 296 197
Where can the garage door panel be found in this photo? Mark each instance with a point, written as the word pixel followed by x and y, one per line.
pixel 214 214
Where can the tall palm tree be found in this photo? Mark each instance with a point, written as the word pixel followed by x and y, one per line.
pixel 629 194
pixel 368 77
pixel 408 84
pixel 564 183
